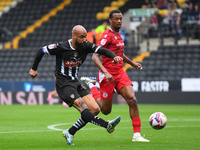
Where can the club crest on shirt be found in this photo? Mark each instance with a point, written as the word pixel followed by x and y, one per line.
pixel 103 41
pixel 75 54
pixel 105 95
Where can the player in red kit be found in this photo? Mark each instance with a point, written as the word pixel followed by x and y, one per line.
pixel 112 77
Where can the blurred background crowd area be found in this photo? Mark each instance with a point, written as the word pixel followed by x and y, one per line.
pixel 166 42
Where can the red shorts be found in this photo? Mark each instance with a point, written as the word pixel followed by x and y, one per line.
pixel 107 90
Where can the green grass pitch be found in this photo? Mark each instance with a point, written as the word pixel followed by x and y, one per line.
pixel 39 127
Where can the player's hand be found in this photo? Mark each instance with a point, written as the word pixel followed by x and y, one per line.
pixel 33 73
pixel 138 66
pixel 109 77
pixel 117 59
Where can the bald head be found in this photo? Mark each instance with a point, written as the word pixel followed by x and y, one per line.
pixel 78 29
pixel 79 34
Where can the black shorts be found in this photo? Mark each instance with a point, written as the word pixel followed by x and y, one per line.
pixel 69 90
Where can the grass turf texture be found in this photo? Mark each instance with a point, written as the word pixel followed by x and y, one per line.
pixel 26 127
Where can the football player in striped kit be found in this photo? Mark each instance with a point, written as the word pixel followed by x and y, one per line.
pixel 69 57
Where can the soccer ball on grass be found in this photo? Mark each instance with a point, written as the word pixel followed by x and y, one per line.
pixel 158 120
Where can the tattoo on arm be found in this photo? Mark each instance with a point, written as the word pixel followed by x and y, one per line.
pixel 80 104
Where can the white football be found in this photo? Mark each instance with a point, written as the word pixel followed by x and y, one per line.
pixel 158 120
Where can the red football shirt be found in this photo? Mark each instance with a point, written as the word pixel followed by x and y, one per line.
pixel 114 42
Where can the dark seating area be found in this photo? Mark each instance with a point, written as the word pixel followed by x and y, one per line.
pixel 26 13
pixel 58 27
pixel 131 51
pixel 166 63
pixel 169 63
pixel 15 65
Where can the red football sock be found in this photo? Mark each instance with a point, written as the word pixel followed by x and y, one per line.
pixel 95 92
pixel 136 123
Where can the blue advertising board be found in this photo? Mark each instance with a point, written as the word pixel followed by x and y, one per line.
pixel 27 86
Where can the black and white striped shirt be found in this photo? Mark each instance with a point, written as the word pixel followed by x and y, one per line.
pixel 68 59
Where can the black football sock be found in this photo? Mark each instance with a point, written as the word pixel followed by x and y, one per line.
pixel 87 116
pixel 77 126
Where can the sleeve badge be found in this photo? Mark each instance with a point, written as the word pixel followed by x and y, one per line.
pixel 52 46
pixel 103 41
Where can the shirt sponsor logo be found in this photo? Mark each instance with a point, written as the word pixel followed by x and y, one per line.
pixel 103 41
pixel 72 63
pixel 52 46
pixel 120 44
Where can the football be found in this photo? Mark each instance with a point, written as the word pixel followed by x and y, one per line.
pixel 158 120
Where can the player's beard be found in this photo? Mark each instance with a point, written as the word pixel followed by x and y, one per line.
pixel 80 45
pixel 116 28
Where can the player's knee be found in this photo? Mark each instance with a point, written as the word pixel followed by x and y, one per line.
pixel 131 100
pixel 106 112
pixel 95 110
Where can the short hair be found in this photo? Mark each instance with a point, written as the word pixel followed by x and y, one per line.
pixel 112 12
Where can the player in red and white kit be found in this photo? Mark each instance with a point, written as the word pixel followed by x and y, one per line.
pixel 112 77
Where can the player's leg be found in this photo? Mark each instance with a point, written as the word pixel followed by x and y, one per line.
pixel 51 94
pixel 89 100
pixel 105 96
pixel 64 104
pixel 92 105
pixel 105 105
pixel 129 95
pixel 87 116
pixel 76 101
pixel 91 83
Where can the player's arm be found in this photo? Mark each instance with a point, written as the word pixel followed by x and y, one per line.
pixel 50 50
pixel 109 54
pixel 138 66
pixel 98 63
pixel 38 58
pixel 92 48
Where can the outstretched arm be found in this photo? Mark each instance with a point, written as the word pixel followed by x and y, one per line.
pixel 38 57
pixel 138 66
pixel 109 54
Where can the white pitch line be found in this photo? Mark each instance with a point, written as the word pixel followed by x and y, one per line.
pixel 24 131
pixel 53 127
pixel 56 129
